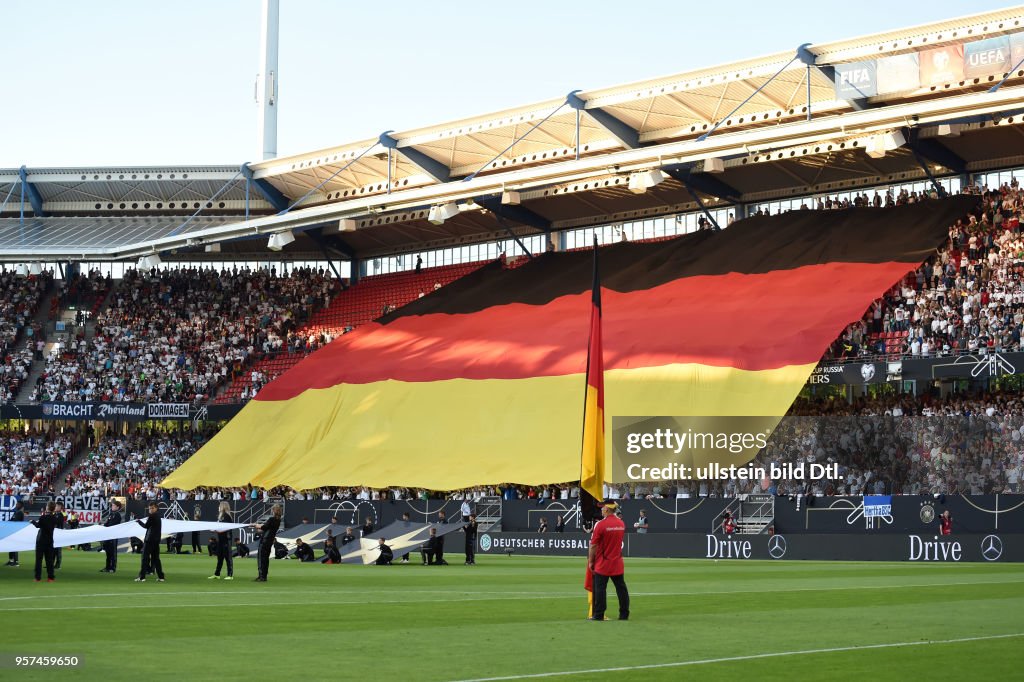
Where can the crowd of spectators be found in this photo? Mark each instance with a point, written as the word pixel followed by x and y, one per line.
pixel 899 445
pixel 967 297
pixel 179 334
pixel 20 296
pixel 131 465
pixel 30 462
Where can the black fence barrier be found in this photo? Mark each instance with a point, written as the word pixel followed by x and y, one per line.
pixel 983 366
pixel 909 514
pixel 976 514
pixel 975 547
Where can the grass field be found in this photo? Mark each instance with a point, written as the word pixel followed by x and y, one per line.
pixel 518 617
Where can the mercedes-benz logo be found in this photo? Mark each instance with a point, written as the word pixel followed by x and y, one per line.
pixel 776 547
pixel 991 547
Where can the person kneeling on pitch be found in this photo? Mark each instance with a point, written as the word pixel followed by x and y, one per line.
pixel 303 552
pixel 605 562
pixel 432 550
pixel 386 555
pixel 331 553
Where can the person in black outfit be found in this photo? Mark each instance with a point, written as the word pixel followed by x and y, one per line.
pixel 211 545
pixel 151 545
pixel 406 521
pixel 241 550
pixel 44 542
pixel 61 516
pixel 347 537
pixel 267 540
pixel 224 543
pixel 331 553
pixel 386 555
pixel 196 547
pixel 110 546
pixel 470 530
pixel 442 517
pixel 433 550
pixel 560 524
pixel 303 552
pixel 17 515
pixel 367 527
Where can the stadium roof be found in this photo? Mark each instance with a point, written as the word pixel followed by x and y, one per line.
pixel 567 160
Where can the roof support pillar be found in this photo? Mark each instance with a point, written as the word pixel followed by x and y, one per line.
pixel 32 193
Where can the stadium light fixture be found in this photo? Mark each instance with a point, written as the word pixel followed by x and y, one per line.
pixel 442 212
pixel 880 144
pixel 149 262
pixel 644 180
pixel 35 268
pixel 348 225
pixel 279 240
pixel 949 129
pixel 212 248
pixel 714 165
pixel 21 270
pixel 510 198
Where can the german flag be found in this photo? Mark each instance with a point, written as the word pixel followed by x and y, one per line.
pixel 478 383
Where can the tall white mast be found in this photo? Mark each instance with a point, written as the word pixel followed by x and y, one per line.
pixel 267 80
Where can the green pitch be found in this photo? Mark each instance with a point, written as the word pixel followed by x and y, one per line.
pixel 518 617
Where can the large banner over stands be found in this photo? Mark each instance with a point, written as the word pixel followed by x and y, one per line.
pixel 453 377
pixel 104 411
pixel 917 548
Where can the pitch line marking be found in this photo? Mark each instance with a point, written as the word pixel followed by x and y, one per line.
pixel 750 657
pixel 518 595
pixel 363 602
pixel 503 596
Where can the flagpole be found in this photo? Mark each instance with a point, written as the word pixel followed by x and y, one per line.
pixel 592 441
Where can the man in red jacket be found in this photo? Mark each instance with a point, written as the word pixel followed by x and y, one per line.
pixel 605 562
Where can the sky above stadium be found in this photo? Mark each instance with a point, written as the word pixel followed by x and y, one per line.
pixel 151 83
